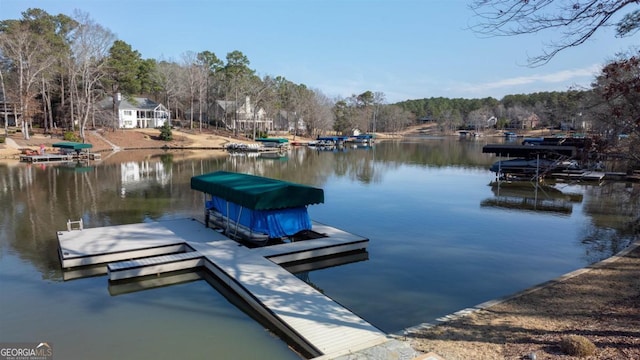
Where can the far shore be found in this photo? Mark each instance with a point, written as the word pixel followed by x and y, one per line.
pixel 104 140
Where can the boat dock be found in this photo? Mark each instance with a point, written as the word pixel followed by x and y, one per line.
pixel 46 158
pixel 58 158
pixel 581 175
pixel 69 151
pixel 317 326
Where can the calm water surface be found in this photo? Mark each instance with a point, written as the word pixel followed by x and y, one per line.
pixel 442 239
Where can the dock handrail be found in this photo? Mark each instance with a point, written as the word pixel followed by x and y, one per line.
pixel 70 225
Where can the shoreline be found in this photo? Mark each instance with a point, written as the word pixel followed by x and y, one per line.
pixel 526 292
pixel 600 302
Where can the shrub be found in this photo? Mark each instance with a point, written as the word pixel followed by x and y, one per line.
pixel 576 345
pixel 165 132
pixel 70 136
pixel 1 139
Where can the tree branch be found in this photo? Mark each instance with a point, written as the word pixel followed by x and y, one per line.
pixel 577 20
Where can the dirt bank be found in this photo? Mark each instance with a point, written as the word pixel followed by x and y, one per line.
pixel 601 303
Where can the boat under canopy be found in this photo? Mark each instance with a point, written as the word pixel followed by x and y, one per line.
pixel 256 208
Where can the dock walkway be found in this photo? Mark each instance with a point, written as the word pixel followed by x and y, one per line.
pixel 314 322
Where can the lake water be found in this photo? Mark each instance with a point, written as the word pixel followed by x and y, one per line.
pixel 442 239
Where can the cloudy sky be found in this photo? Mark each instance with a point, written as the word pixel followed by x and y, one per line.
pixel 407 49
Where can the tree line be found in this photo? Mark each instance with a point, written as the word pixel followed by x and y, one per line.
pixel 608 110
pixel 55 69
pixel 554 110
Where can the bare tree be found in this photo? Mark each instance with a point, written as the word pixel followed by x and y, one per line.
pixel 192 80
pixel 518 116
pixel 192 84
pixel 393 118
pixel 302 102
pixel 449 119
pixel 316 110
pixel 479 118
pixel 261 92
pixel 617 89
pixel 167 76
pixel 323 116
pixel 89 48
pixel 4 105
pixel 572 21
pixel 29 55
pixel 378 102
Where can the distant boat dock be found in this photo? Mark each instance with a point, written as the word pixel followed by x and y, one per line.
pixel 69 151
pixel 317 326
pixel 557 158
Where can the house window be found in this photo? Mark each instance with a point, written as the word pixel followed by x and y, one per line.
pixel 127 113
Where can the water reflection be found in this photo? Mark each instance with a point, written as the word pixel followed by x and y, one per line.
pixel 531 196
pixel 37 199
pixel 614 222
pixel 416 199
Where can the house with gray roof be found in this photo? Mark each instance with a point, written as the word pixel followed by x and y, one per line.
pixel 138 112
pixel 242 116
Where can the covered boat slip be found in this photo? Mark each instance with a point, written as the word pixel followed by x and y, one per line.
pixel 75 146
pixel 256 192
pixel 313 323
pixel 535 159
pixel 318 325
pixel 79 150
pixel 69 151
pixel 256 208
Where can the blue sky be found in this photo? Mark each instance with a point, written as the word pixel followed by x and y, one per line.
pixel 407 49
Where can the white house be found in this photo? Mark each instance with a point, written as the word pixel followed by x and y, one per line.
pixel 138 113
pixel 243 116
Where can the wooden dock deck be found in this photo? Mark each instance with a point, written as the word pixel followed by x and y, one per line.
pixel 46 158
pixel 116 243
pixel 316 324
pixel 58 158
pixel 580 175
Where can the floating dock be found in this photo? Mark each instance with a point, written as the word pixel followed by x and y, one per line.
pixel 57 158
pixel 317 325
pixel 580 175
pixel 46 158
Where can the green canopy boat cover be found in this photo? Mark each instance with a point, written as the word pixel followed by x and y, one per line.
pixel 256 192
pixel 72 145
pixel 273 140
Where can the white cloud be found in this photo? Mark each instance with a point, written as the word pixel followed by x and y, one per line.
pixel 539 80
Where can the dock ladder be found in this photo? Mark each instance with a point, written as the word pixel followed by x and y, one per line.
pixel 78 225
